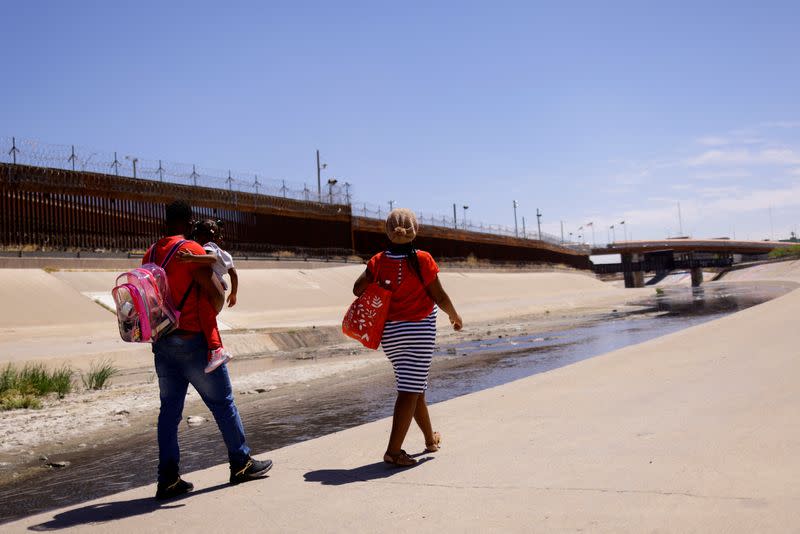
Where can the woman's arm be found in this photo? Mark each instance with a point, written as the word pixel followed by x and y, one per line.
pixel 234 286
pixel 442 299
pixel 209 283
pixel 361 284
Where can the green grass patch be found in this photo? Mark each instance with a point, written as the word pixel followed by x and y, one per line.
pixel 22 387
pixel 14 400
pixel 99 374
pixel 792 251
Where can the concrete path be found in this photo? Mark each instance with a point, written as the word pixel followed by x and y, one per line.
pixel 698 431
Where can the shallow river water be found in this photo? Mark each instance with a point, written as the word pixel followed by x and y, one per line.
pixel 327 405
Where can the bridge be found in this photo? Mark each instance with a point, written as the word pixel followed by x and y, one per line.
pixel 663 256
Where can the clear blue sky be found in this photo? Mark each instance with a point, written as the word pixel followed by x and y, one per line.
pixel 590 111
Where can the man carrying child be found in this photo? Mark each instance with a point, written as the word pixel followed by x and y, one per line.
pixel 180 360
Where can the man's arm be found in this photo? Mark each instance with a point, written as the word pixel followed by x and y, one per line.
pixel 208 282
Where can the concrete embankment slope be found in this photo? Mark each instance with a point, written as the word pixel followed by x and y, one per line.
pixel 780 271
pixel 52 317
pixel 697 431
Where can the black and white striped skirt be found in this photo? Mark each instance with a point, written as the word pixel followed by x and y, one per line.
pixel 409 346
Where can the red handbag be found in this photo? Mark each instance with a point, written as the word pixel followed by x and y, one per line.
pixel 366 316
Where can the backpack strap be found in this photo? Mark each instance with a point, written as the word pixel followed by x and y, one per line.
pixel 186 295
pixel 172 252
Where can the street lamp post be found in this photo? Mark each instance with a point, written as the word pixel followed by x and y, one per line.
pixel 331 183
pixel 391 205
pixel 516 230
pixel 624 230
pixel 539 222
pixel 465 216
pixel 133 161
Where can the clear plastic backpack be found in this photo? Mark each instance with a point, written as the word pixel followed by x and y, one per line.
pixel 145 311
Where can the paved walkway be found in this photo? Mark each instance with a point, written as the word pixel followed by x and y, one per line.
pixel 698 431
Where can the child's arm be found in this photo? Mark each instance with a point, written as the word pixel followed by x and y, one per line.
pixel 441 298
pixel 189 257
pixel 234 286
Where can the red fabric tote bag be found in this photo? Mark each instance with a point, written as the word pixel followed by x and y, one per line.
pixel 366 316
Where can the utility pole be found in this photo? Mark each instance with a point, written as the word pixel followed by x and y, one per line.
pixel 319 177
pixel 391 205
pixel 455 223
pixel 539 222
pixel 562 232
pixel 347 192
pixel 524 233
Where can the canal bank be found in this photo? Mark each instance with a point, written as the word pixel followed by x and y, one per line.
pixel 695 430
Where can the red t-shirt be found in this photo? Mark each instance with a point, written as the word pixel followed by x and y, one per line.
pixel 179 275
pixel 410 300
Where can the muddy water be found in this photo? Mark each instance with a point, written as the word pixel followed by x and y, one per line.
pixel 324 406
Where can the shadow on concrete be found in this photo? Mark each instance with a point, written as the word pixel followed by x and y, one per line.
pixel 365 473
pixel 114 511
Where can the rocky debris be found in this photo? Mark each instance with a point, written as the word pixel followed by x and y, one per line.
pixel 195 420
pixel 58 465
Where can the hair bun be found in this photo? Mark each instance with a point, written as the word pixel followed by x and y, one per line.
pixel 400 231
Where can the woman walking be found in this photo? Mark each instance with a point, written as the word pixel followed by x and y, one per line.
pixel 410 330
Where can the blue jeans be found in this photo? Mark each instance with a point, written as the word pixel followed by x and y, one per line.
pixel 181 361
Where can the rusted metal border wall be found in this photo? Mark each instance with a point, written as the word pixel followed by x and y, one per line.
pixel 58 209
pixel 369 236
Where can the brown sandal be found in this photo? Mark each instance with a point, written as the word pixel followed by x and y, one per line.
pixel 436 445
pixel 401 459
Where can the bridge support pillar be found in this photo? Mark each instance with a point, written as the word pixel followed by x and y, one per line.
pixel 631 265
pixel 697 276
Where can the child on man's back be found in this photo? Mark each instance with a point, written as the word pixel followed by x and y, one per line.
pixel 207 233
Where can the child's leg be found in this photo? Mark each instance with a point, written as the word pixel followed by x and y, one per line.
pixel 208 322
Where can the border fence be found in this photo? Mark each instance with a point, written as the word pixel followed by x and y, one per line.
pixel 80 158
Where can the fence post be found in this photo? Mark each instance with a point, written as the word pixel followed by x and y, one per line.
pixel 115 165
pixel 14 149
pixel 230 181
pixel 72 157
pixel 193 176
pixel 160 172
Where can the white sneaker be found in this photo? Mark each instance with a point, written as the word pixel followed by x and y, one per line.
pixel 218 357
